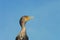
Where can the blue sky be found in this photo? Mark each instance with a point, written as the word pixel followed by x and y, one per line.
pixel 44 26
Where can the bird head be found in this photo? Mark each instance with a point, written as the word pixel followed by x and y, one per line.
pixel 24 19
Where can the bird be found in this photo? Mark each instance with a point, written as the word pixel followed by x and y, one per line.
pixel 23 34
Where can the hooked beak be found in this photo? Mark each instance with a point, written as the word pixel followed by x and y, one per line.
pixel 29 18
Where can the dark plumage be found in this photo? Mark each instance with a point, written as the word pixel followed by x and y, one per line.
pixel 23 35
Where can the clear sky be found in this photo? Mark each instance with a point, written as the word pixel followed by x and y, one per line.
pixel 44 26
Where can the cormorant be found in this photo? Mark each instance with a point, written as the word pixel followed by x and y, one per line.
pixel 23 35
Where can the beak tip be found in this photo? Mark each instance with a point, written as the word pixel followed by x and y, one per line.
pixel 32 17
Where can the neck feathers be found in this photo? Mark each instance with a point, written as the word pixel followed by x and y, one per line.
pixel 23 32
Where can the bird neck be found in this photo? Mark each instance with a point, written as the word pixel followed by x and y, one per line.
pixel 23 25
pixel 23 29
